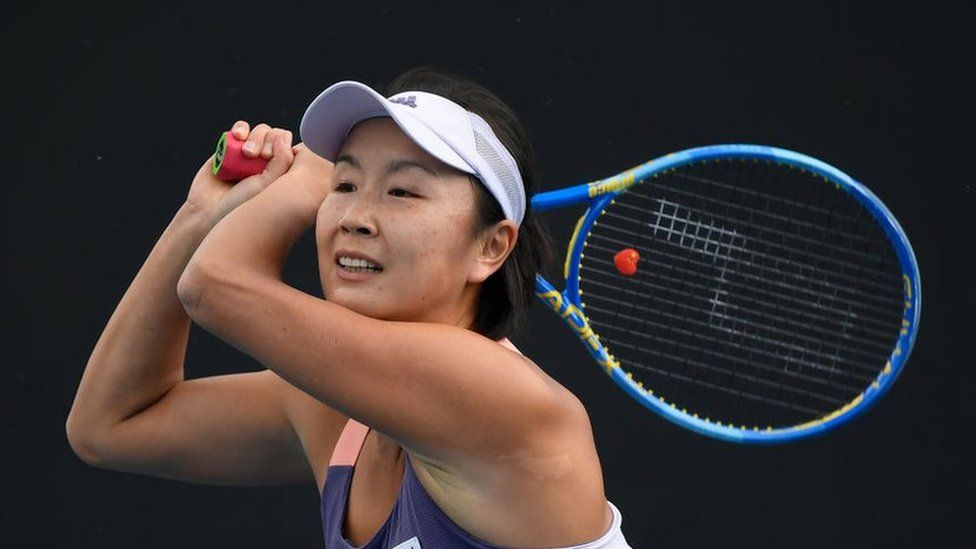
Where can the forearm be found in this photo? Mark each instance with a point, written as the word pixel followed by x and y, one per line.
pixel 139 356
pixel 254 239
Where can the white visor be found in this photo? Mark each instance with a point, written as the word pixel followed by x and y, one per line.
pixel 457 137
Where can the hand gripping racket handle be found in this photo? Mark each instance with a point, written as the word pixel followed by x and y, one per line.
pixel 230 164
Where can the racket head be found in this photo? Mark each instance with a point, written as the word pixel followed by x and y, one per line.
pixel 846 405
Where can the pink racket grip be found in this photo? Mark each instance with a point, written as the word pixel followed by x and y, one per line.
pixel 230 164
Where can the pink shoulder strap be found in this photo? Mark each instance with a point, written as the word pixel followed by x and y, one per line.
pixel 350 443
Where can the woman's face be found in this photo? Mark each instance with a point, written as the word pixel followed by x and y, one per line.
pixel 395 234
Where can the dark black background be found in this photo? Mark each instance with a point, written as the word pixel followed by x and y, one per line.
pixel 109 111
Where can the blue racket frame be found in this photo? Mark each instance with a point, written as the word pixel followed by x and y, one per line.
pixel 598 194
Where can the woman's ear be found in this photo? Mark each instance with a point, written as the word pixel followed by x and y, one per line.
pixel 494 245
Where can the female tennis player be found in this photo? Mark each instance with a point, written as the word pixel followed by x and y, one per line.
pixel 422 425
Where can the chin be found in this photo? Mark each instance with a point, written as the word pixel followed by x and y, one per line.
pixel 360 301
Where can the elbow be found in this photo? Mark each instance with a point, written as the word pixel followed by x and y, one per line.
pixel 81 443
pixel 189 287
pixel 98 447
pixel 196 288
pixel 207 289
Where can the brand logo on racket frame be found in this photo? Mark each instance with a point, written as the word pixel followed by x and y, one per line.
pixel 575 318
pixel 613 184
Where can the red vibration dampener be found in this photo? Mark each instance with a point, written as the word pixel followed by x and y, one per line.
pixel 230 164
pixel 626 261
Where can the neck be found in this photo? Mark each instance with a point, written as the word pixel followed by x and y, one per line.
pixel 466 307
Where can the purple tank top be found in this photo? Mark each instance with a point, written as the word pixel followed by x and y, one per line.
pixel 415 522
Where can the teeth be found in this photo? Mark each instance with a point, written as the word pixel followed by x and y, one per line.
pixel 357 263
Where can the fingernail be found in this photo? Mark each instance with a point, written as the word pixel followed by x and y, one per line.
pixel 251 147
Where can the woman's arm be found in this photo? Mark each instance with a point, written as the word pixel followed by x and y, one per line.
pixel 139 356
pixel 442 391
pixel 133 410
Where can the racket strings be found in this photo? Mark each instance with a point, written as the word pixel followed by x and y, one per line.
pixel 784 202
pixel 735 373
pixel 805 271
pixel 696 290
pixel 782 246
pixel 765 296
pixel 777 240
pixel 764 398
pixel 868 370
pixel 820 201
pixel 827 292
pixel 825 231
pixel 734 409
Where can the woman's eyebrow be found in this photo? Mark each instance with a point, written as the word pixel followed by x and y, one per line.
pixel 393 166
pixel 400 164
pixel 348 159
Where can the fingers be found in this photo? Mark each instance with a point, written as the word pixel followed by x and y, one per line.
pixel 271 140
pixel 240 129
pixel 281 156
pixel 255 140
pixel 281 160
pixel 260 140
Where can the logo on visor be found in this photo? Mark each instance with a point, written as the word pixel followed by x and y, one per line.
pixel 410 101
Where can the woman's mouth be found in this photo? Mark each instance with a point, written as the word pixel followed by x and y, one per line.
pixel 351 264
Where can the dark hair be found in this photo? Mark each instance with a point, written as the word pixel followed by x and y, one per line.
pixel 507 292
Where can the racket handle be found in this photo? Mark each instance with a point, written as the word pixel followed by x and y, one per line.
pixel 230 164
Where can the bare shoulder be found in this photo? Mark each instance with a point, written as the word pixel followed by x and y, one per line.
pixel 571 411
pixel 573 421
pixel 555 468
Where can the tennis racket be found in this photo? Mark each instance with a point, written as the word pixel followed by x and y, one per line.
pixel 745 292
pixel 748 293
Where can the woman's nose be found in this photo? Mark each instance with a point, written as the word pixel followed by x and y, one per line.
pixel 357 219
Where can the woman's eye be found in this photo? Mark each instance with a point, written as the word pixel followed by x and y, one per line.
pixel 345 187
pixel 403 193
